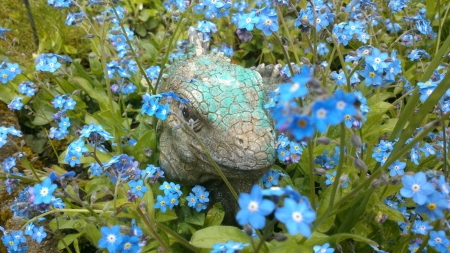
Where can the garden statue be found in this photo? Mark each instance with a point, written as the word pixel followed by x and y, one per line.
pixel 226 112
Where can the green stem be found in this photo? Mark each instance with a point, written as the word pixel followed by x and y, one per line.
pixel 169 46
pixel 312 196
pixel 265 234
pixel 105 70
pixel 62 210
pixel 288 34
pixel 277 38
pixel 177 237
pixel 152 230
pixel 340 166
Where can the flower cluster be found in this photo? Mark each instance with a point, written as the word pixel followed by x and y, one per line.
pixel 119 40
pixel 27 88
pixel 382 151
pixel 36 199
pixel 171 196
pixel 198 198
pixel 8 71
pixel 4 131
pixel 64 103
pixel 114 241
pixel 8 166
pixel 50 62
pixel 14 241
pixel 296 214
pixel 152 107
pixel 227 247
pixel 271 178
pixel 288 151
pixel 324 113
pixel 315 17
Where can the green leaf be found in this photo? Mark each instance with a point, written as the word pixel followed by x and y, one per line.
pixel 97 183
pixel 319 239
pixel 215 215
pixel 45 115
pixel 196 219
pixel 166 216
pixel 148 140
pixel 70 49
pixel 323 206
pixel 92 233
pixel 99 95
pixel 207 237
pixel 149 200
pixel 68 239
pixel 290 245
pixel 375 204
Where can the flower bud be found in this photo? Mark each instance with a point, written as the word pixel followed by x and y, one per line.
pixel 356 141
pixel 320 171
pixel 248 229
pixel 359 164
pixel 375 183
pixel 323 140
pixel 384 178
pixel 280 237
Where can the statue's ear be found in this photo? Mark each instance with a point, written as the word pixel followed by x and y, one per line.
pixel 196 41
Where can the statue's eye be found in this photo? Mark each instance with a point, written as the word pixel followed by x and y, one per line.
pixel 186 112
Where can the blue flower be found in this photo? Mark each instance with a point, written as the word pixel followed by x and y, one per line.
pixel 345 103
pixel 434 206
pixel 59 101
pixel 323 249
pixel 44 191
pixel 52 64
pixel 397 168
pixel 421 227
pixel 416 188
pixel 267 24
pixel 428 149
pixel 64 123
pixel 324 114
pixel 173 200
pixel 254 208
pixel 298 88
pixel 138 187
pixel 283 153
pixel 330 178
pixel 438 240
pixel 297 216
pixel 340 78
pixel 301 127
pixel 203 196
pixel 69 104
pixel 377 59
pixel 16 104
pixel 322 49
pixel 161 203
pixel 163 112
pixel 372 76
pixel 111 238
pixel 29 229
pixel 271 178
pixel 228 247
pixel 39 234
pixel 248 21
pixel 192 200
pixel 130 244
